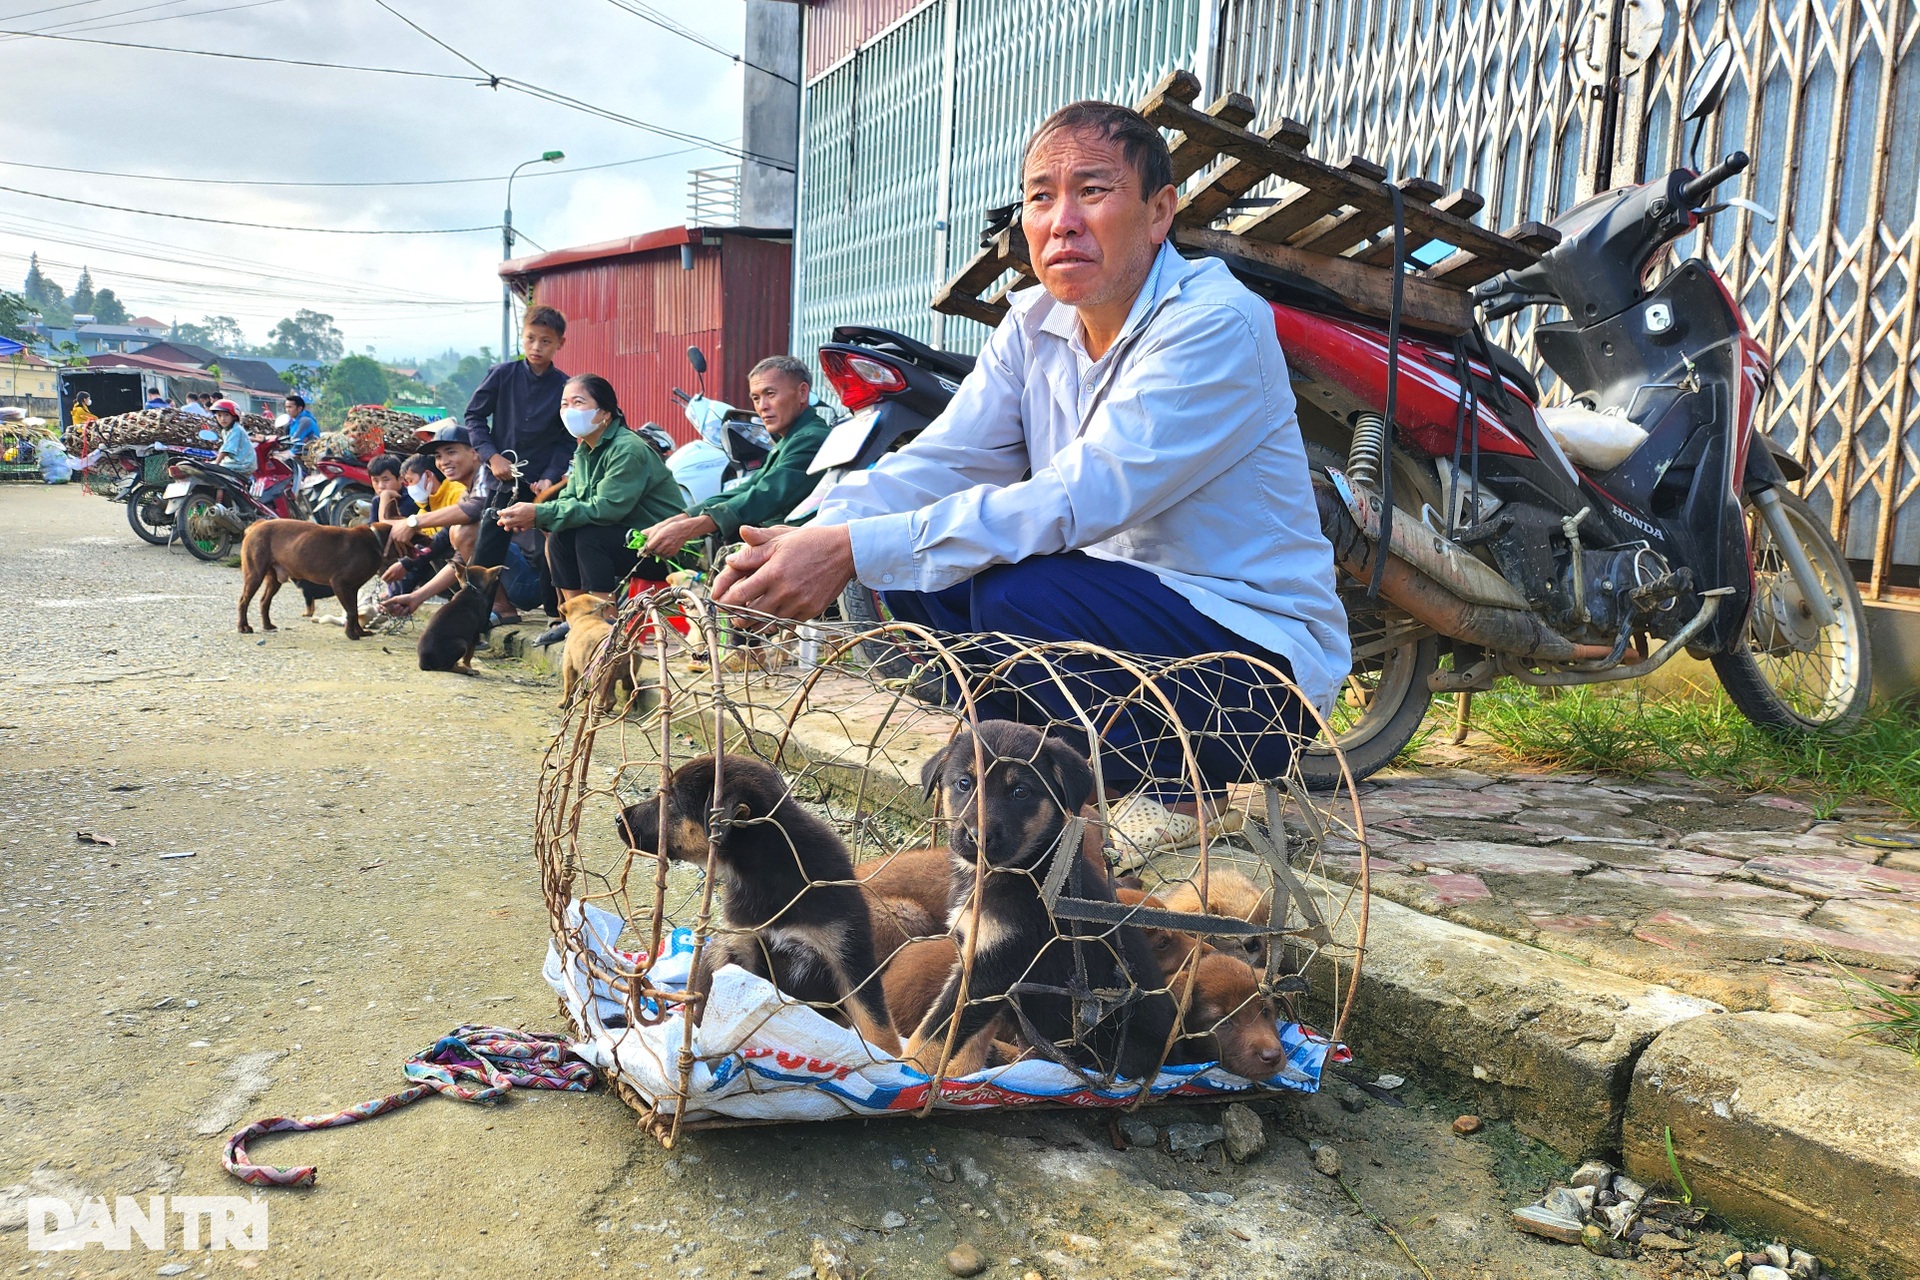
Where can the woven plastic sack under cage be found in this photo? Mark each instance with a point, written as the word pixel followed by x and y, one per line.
pixel 1244 946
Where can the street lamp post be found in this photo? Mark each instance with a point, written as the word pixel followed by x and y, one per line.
pixel 506 250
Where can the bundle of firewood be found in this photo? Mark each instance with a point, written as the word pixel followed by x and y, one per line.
pixel 170 426
pixel 384 427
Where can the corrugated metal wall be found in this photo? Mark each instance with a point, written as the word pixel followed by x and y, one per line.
pixel 834 27
pixel 868 159
pixel 631 319
pixel 870 150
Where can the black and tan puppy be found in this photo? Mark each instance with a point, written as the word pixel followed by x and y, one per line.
pixel 277 551
pixel 454 633
pixel 790 911
pixel 1006 820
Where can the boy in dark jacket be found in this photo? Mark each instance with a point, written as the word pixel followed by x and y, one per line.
pixel 516 408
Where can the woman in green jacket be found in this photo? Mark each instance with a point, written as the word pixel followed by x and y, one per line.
pixel 619 482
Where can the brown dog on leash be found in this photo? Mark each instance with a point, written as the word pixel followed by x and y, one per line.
pixel 277 550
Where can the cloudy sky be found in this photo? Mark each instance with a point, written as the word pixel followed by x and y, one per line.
pixel 229 124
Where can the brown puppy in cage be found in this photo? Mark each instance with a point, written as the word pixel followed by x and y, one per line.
pixel 1229 893
pixel 789 911
pixel 1227 1020
pixel 1027 966
pixel 1223 1016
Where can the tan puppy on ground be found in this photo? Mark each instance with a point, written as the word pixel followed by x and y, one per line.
pixel 589 621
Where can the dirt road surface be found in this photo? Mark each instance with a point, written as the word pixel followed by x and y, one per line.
pixel 362 882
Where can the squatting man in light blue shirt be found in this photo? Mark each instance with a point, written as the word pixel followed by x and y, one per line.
pixel 1123 466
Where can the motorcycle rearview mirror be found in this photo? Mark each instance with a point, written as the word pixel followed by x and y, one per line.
pixel 1709 83
pixel 1705 91
pixel 698 359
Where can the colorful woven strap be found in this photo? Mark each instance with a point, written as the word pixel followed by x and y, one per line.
pixel 474 1064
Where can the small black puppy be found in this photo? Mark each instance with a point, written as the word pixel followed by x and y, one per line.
pixel 1032 785
pixel 790 908
pixel 450 639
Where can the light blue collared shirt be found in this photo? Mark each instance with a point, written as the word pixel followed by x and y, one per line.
pixel 1177 451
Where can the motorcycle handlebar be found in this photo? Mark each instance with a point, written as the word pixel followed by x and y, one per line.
pixel 1700 188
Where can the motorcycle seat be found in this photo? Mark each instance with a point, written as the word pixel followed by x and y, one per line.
pixel 1590 439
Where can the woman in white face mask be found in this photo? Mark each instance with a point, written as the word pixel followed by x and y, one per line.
pixel 618 483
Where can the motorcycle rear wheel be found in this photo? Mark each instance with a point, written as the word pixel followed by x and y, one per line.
pixel 352 509
pixel 891 660
pixel 203 539
pixel 1384 699
pixel 1380 706
pixel 147 513
pixel 1783 673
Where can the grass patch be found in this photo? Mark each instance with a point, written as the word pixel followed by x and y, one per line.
pixel 1703 736
pixel 1884 1014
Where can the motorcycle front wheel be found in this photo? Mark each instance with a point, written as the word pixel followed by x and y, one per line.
pixel 199 534
pixel 1784 672
pixel 861 606
pixel 147 513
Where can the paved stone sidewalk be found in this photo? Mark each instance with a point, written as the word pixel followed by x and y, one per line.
pixel 1731 898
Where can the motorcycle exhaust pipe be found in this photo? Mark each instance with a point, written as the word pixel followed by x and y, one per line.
pixel 1496 628
pixel 227 518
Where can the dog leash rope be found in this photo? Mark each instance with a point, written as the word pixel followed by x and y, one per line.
pixel 493 1059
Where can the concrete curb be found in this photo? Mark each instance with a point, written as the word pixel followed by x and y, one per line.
pixel 1789 1126
pixel 1550 1043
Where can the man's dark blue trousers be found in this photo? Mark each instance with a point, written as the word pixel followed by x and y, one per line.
pixel 1241 725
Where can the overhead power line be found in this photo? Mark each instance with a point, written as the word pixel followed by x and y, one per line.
pixel 397 182
pixel 647 13
pixel 243 57
pixel 491 82
pixel 260 226
pixel 566 100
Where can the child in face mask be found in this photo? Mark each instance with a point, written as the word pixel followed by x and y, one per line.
pixel 426 487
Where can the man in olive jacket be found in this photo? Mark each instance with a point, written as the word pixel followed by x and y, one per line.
pixel 780 386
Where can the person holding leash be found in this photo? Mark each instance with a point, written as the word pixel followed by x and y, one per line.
pixel 1123 466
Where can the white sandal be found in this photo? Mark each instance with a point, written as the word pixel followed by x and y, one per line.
pixel 1142 828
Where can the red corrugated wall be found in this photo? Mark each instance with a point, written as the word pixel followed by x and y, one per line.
pixel 834 27
pixel 631 319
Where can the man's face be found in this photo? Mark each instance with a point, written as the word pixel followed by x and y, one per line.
pixel 457 462
pixel 386 482
pixel 779 398
pixel 540 344
pixel 1092 232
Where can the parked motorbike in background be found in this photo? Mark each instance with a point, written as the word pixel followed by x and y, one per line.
pixel 141 470
pixel 1579 544
pixel 1586 543
pixel 892 386
pixel 732 441
pixel 209 507
pixel 339 491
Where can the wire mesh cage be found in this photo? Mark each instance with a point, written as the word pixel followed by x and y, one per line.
pixel 834 870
